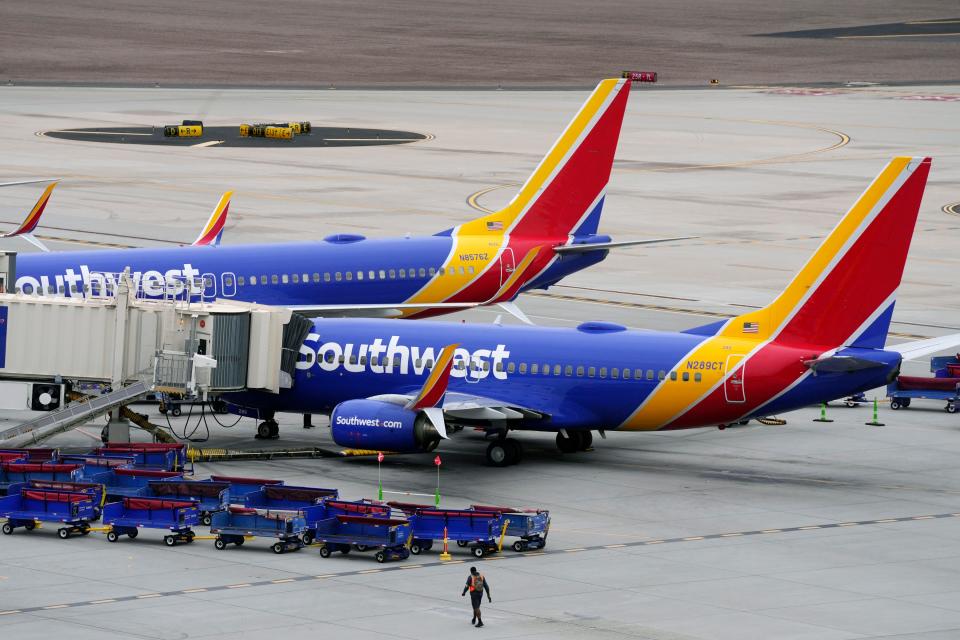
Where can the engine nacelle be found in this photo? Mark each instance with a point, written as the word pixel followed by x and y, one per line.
pixel 382 426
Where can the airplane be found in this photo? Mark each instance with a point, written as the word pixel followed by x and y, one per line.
pixel 548 231
pixel 404 387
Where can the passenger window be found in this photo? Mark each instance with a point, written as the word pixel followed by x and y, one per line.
pixel 349 276
pixel 603 372
pixel 697 377
pixel 228 280
pixel 568 370
pixel 393 274
pixel 403 274
pixel 461 270
pixel 545 369
pixel 342 359
pixel 383 274
pixel 274 279
pixel 253 281
pixel 371 275
pixel 511 367
pixel 470 269
pixel 661 374
pixel 353 359
pixel 263 279
pixel 431 271
pixel 626 374
pixel 296 278
pixel 649 374
pixel 686 376
pixel 418 363
pixel 329 357
pixel 453 271
pixel 422 272
pixel 499 367
pixel 241 281
pixel 580 372
pixel 591 372
pixel 359 275
pixel 534 368
pixel 615 373
pixel 285 279
pixel 673 376
pixel 374 361
pixel 523 367
pixel 326 277
pixel 363 360
pixel 485 366
pixel 339 276
pixel 306 277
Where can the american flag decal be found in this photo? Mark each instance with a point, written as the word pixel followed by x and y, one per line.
pixel 751 327
pixel 495 226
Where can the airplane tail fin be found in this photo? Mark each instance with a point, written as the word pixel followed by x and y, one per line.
pixel 213 230
pixel 26 228
pixel 844 295
pixel 564 195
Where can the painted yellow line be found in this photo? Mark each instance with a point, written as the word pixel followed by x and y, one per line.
pixel 923 518
pixel 495 557
pixel 694 538
pixel 57 606
pixel 9 612
pixel 411 566
pixel 370 571
pixel 573 550
pixel 238 586
pixel 193 591
pixel 653 542
pixel 730 535
pixel 284 581
pixel 809 528
pixel 898 35
pixel 615 546
pixel 771 531
pixel 847 524
pixel 148 595
pixel 104 601
pixel 887 520
pixel 326 575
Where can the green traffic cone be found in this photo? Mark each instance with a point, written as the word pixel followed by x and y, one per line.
pixel 823 414
pixel 875 422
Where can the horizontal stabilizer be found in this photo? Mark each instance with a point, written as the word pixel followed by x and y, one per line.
pixel 921 348
pixel 605 246
pixel 840 364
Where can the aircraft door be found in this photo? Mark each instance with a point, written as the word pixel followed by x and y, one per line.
pixel 209 286
pixel 733 382
pixel 507 264
pixel 228 284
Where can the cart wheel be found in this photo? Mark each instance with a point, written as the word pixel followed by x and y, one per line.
pixel 478 552
pixel 895 404
pixel 85 530
pixel 169 541
pixel 851 403
pixel 307 538
pixel 950 408
pixel 415 548
pixel 63 533
pixel 461 543
pixel 360 547
pixel 176 411
pixel 133 534
pixel 205 519
pixel 239 542
pixel 345 551
pixel 7 528
pixel 324 551
pixel 219 544
pixel 404 554
pixel 278 548
pixel 112 536
pixel 905 402
pixel 191 536
pixel 519 546
pixel 381 557
pixel 30 526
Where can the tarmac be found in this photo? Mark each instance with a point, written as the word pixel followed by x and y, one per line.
pixel 807 530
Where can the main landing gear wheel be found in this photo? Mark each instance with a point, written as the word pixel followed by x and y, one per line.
pixel 585 440
pixel 503 453
pixel 568 444
pixel 268 429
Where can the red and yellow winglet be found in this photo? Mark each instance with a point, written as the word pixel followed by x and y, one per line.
pixel 33 218
pixel 213 230
pixel 431 395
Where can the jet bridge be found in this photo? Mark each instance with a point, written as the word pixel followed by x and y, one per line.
pixel 134 345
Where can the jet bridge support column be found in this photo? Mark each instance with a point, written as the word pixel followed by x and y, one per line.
pixel 118 428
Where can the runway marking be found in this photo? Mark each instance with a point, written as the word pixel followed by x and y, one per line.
pixel 104 133
pixel 933 22
pixel 897 35
pixel 401 567
pixel 209 143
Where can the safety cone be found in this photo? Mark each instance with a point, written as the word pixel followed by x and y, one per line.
pixel 823 414
pixel 445 556
pixel 875 422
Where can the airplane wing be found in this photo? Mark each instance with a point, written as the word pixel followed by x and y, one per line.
pixel 213 230
pixel 606 246
pixel 373 310
pixel 467 407
pixel 921 348
pixel 19 182
pixel 26 228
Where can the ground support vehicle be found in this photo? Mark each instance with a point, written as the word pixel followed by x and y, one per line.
pixel 130 514
pixel 530 525
pixel 944 385
pixel 342 532
pixel 210 497
pixel 121 483
pixel 233 525
pixel 21 472
pixel 332 507
pixel 479 530
pixel 74 510
pixel 240 488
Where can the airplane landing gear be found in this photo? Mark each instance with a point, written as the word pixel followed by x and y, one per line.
pixel 504 452
pixel 268 430
pixel 575 441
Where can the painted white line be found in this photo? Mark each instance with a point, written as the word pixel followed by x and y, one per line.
pixel 238 586
pixel 101 133
pixel 923 518
pixel 453 562
pixel 886 520
pixel 369 571
pixel 193 591
pixel 771 531
pixel 284 581
pixel 573 550
pixel 809 528
pixel 730 535
pixel 9 612
pixel 653 542
pixel 411 566
pixel 326 575
pixel 615 546
pixel 847 524
pixel 210 143
pixel 694 538
pixel 104 601
pixel 57 606
pixel 148 595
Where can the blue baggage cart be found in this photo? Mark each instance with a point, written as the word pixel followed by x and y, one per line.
pixel 210 496
pixel 92 467
pixel 240 488
pixel 288 497
pixel 31 455
pixel 122 482
pixel 149 455
pixel 479 530
pixel 530 525
pixel 332 507
pixel 92 489
pixel 30 505
pixel 343 532
pixel 130 514
pixel 235 523
pixel 21 472
pixel 944 385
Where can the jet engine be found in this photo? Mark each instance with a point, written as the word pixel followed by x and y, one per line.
pixel 382 426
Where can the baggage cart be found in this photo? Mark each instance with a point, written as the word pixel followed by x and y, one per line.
pixel 130 514
pixel 210 496
pixel 233 525
pixel 33 455
pixel 333 507
pixel 121 483
pixel 31 505
pixel 152 455
pixel 240 488
pixel 342 532
pixel 92 489
pixel 22 472
pixel 92 467
pixel 944 385
pixel 287 497
pixel 479 530
pixel 530 525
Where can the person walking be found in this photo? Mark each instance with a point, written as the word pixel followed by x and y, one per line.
pixel 476 585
